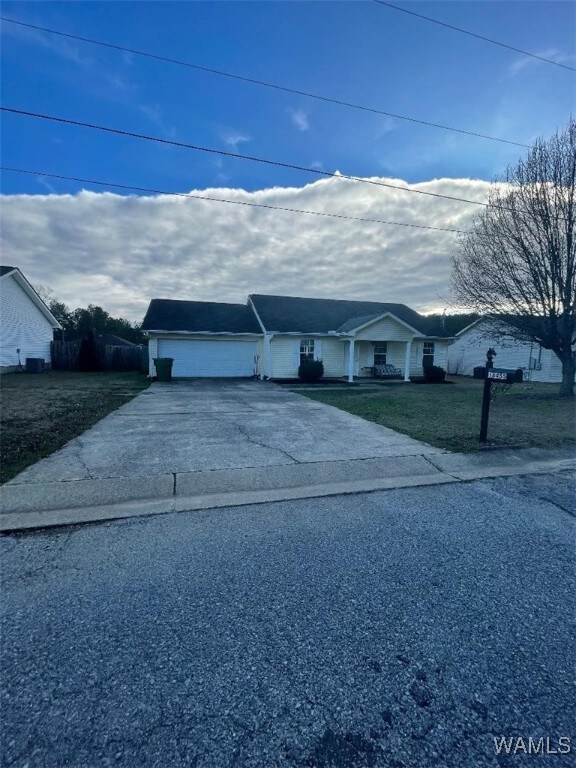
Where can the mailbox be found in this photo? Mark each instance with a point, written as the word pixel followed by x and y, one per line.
pixel 503 375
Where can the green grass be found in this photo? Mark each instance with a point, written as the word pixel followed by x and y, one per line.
pixel 40 413
pixel 448 415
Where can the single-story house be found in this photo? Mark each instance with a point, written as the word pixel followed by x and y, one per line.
pixel 269 336
pixel 26 324
pixel 470 346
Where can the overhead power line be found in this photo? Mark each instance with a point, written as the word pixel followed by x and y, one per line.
pixel 262 83
pixel 210 150
pixel 474 34
pixel 223 200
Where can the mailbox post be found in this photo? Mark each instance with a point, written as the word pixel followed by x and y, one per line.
pixel 493 376
pixel 490 355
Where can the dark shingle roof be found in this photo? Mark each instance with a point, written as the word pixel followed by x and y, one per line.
pixel 300 315
pixel 199 316
pixel 5 270
pixel 356 322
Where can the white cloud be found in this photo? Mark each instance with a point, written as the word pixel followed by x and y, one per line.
pixel 156 116
pixel 234 139
pixel 385 125
pixel 525 61
pixel 300 119
pixel 70 50
pixel 119 252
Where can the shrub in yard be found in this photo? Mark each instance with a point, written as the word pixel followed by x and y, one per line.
pixel 311 370
pixel 434 374
pixel 88 357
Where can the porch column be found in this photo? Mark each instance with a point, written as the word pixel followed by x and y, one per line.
pixel 351 361
pixel 407 360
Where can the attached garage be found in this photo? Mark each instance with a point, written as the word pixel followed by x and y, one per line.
pixel 209 358
pixel 205 339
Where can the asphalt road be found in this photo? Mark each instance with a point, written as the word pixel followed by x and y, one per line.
pixel 402 628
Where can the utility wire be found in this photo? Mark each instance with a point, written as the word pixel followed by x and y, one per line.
pixel 473 34
pixel 291 166
pixel 262 83
pixel 222 200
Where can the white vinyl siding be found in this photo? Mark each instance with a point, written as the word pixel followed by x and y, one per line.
pixel 260 356
pixel 201 357
pixel 22 326
pixel 286 356
pixel 334 355
pixel 386 329
pixel 469 351
pixel 417 352
pixel 152 353
pixel 441 354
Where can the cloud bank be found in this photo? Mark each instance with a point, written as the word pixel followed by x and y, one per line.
pixel 121 251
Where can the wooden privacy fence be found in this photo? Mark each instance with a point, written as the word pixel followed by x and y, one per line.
pixel 112 358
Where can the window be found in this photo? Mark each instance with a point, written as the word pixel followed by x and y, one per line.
pixel 306 350
pixel 380 350
pixel 428 354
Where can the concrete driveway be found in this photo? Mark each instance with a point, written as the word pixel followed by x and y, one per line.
pixel 214 424
pixel 205 444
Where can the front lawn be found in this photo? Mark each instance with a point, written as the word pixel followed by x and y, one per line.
pixel 448 415
pixel 40 413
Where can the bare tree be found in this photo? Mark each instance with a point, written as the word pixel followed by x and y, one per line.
pixel 518 262
pixel 45 292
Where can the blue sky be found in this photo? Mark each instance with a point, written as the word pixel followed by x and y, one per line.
pixel 355 51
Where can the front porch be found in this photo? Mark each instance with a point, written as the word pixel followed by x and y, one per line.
pixel 379 360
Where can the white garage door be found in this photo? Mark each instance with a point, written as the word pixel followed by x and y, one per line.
pixel 209 358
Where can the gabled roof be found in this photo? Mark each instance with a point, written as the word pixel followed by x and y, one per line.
pixel 199 317
pixel 356 322
pixel 30 292
pixel 528 325
pixel 289 314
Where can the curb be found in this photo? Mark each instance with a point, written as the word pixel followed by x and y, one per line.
pixel 166 500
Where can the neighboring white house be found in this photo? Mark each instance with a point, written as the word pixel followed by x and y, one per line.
pixel 26 323
pixel 469 351
pixel 270 335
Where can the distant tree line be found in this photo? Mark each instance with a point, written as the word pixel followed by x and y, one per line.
pixel 78 322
